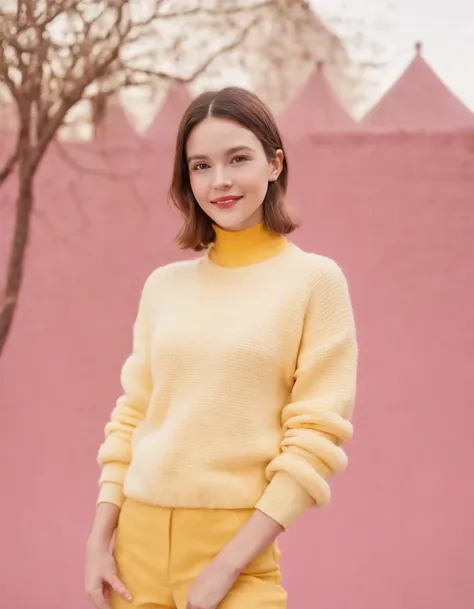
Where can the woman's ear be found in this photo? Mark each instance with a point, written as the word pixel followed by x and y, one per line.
pixel 276 166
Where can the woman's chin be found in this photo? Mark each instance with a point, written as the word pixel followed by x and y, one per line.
pixel 235 218
pixel 228 220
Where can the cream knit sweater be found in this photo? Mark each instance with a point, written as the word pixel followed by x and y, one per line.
pixel 241 384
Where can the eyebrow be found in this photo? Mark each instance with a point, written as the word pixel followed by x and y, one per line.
pixel 232 150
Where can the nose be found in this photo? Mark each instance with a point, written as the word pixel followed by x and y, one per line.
pixel 221 180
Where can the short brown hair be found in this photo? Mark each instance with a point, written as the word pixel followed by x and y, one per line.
pixel 245 108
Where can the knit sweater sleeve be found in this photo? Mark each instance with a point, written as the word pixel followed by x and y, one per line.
pixel 115 453
pixel 316 421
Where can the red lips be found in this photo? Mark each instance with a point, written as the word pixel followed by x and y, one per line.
pixel 225 201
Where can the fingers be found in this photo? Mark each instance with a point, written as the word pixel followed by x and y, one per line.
pixel 97 594
pixel 116 584
pixel 98 598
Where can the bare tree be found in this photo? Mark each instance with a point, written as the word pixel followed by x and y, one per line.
pixel 56 54
pixel 278 57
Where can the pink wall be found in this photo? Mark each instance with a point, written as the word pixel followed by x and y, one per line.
pixel 396 212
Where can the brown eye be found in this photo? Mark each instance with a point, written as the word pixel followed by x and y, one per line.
pixel 239 159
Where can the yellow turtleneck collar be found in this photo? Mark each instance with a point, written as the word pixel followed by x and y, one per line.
pixel 245 247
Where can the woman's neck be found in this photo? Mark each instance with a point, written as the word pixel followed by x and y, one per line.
pixel 245 247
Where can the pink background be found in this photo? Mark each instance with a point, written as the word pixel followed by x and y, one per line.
pixel 395 209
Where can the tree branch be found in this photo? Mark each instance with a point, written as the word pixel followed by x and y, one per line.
pixel 68 102
pixel 154 74
pixel 9 165
pixel 6 79
pixel 215 11
pixel 74 164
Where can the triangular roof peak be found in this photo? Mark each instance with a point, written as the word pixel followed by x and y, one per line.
pixel 419 101
pixel 315 108
pixel 164 126
pixel 112 127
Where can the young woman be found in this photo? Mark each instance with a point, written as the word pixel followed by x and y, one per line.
pixel 239 390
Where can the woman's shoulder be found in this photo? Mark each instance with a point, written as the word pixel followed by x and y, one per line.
pixel 326 284
pixel 319 267
pixel 173 271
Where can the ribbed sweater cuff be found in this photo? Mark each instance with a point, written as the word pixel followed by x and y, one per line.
pixel 284 499
pixel 111 483
pixel 111 492
pixel 114 471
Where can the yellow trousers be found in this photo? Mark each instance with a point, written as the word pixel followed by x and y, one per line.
pixel 160 551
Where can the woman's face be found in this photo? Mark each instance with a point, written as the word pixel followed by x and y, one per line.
pixel 229 172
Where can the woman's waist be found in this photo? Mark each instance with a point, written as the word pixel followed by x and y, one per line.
pixel 175 486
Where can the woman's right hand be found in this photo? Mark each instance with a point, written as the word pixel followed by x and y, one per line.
pixel 101 575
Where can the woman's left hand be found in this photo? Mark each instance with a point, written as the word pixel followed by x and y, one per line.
pixel 212 585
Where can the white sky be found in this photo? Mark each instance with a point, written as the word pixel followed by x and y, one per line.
pixel 446 29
